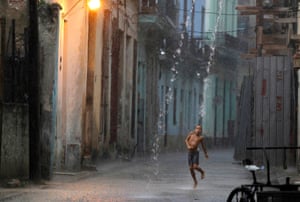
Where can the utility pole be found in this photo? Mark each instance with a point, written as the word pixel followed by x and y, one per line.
pixel 33 68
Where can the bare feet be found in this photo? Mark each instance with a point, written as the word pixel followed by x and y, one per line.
pixel 202 175
pixel 195 184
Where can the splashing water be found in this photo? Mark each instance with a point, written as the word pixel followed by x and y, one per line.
pixel 161 131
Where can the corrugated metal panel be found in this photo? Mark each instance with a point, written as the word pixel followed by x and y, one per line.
pixel 244 119
pixel 272 95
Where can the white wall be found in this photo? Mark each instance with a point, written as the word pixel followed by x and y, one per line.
pixel 72 81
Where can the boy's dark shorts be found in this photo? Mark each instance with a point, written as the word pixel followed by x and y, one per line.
pixel 193 157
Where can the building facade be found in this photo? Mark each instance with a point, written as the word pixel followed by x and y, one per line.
pixel 84 97
pixel 130 76
pixel 272 119
pixel 220 85
pixel 14 104
pixel 96 82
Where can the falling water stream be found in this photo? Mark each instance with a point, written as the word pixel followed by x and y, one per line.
pixel 207 82
pixel 169 92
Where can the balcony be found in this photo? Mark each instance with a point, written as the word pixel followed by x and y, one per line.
pixel 148 7
pixel 150 17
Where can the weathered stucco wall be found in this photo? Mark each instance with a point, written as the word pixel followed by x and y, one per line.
pixel 98 75
pixel 14 141
pixel 9 11
pixel 48 41
pixel 71 90
pixel 218 108
pixel 14 136
pixel 17 10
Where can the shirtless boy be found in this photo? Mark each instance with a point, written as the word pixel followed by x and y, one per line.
pixel 192 142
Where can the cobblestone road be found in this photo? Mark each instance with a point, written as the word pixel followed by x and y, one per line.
pixel 140 180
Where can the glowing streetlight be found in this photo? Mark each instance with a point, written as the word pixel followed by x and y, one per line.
pixel 94 4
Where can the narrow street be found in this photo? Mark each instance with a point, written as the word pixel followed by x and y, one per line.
pixel 141 179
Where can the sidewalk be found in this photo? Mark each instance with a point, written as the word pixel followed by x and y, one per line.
pixel 280 175
pixel 14 188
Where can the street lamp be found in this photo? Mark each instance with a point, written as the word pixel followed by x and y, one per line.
pixel 94 4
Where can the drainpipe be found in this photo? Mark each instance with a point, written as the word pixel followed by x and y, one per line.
pixel 34 123
pixel 2 50
pixel 298 93
pixel 298 118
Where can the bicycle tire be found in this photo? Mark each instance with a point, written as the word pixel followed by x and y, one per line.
pixel 240 194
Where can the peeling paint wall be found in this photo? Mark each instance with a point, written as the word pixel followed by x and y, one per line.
pixel 219 108
pixel 71 89
pixel 184 105
pixel 14 161
pixel 119 62
pixel 147 97
pixel 80 81
pixel 14 135
pixel 48 41
pixel 9 11
pixel 93 99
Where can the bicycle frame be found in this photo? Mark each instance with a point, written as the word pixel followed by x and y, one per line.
pixel 247 192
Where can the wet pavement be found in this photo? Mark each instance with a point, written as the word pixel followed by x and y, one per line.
pixel 140 180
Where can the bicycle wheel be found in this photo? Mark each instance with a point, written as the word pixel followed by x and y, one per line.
pixel 240 194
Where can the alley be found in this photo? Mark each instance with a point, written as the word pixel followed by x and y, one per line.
pixel 141 179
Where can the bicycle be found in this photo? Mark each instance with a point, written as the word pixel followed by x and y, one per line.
pixel 250 192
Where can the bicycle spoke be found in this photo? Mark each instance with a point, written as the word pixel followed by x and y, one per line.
pixel 240 195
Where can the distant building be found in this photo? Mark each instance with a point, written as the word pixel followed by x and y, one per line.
pixel 219 100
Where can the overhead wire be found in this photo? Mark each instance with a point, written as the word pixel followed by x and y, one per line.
pixel 292 10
